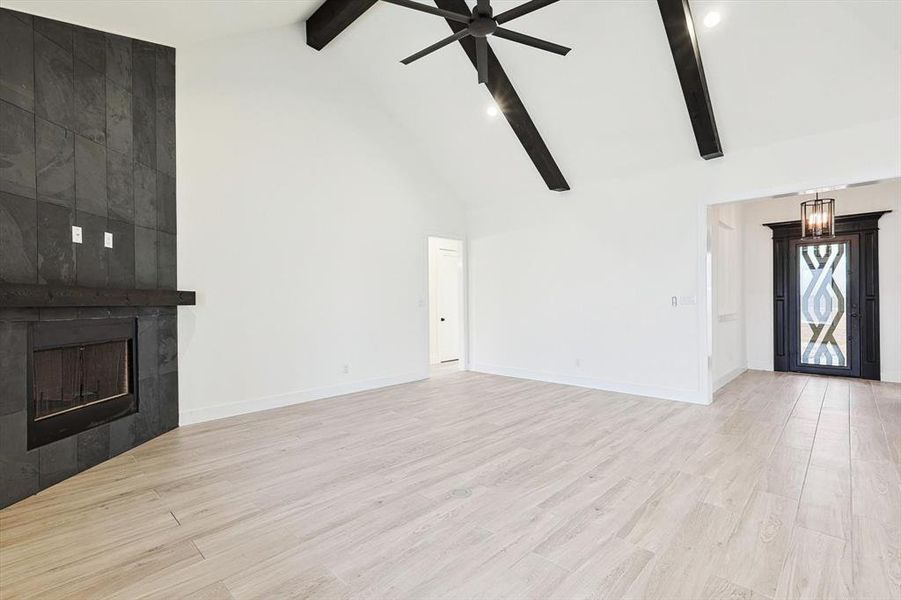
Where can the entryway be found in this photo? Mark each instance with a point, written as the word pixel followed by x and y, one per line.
pixel 826 298
pixel 782 301
pixel 445 304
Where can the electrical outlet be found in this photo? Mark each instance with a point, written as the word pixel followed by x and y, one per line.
pixel 107 239
pixel 76 234
pixel 346 369
pixel 578 363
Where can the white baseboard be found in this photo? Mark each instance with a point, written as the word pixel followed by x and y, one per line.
pixel 726 378
pixel 679 395
pixel 220 411
pixel 890 375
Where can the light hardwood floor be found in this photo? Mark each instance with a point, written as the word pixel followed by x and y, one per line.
pixel 476 486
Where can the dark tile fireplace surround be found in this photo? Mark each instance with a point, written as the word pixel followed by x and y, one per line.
pixel 87 138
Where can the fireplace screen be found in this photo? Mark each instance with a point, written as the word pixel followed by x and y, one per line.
pixel 81 376
pixel 68 378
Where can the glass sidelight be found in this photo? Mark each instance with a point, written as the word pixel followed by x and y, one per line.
pixel 823 272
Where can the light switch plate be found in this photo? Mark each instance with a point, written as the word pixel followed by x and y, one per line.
pixel 76 234
pixel 107 239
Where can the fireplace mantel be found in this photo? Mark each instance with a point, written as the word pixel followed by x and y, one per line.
pixel 15 295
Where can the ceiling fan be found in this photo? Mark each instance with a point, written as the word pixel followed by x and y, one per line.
pixel 480 25
pixel 472 26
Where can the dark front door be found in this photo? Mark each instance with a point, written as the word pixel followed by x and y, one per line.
pixel 826 298
pixel 824 304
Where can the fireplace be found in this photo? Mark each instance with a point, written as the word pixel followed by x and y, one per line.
pixel 81 374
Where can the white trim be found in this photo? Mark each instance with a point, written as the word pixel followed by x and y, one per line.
pixel 760 366
pixel 220 411
pixel 890 375
pixel 466 355
pixel 704 313
pixel 680 395
pixel 724 379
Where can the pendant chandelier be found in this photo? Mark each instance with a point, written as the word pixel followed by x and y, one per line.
pixel 818 218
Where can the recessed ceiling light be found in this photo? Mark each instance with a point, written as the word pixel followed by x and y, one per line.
pixel 492 110
pixel 712 19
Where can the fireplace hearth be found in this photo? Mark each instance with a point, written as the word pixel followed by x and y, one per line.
pixel 81 375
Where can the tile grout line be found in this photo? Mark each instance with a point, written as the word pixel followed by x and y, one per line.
pixel 193 543
pixel 810 454
pixel 785 424
pixel 851 481
pixel 34 128
pixel 794 524
pixel 885 435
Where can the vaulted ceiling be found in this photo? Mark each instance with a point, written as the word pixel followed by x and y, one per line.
pixel 612 108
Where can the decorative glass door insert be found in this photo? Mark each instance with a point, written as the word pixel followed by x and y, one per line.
pixel 823 279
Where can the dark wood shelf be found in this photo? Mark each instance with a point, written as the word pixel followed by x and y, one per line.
pixel 38 296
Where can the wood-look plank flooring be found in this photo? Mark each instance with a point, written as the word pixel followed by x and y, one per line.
pixel 476 486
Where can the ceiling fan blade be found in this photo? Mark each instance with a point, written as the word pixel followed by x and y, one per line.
pixel 522 9
pixel 528 40
pixel 448 40
pixel 432 10
pixel 482 59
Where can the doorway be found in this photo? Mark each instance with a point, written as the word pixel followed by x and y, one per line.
pixel 446 302
pixel 757 272
pixel 826 298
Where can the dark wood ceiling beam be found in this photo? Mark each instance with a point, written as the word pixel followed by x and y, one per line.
pixel 333 17
pixel 509 103
pixel 683 43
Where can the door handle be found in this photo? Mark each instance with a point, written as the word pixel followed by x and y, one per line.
pixel 442 319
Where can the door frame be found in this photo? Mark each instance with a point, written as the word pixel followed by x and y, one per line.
pixel 464 299
pixel 866 225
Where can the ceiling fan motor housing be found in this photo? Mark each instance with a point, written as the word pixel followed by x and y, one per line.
pixel 482 26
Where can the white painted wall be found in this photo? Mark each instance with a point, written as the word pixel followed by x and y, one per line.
pixel 293 147
pixel 293 181
pixel 725 230
pixel 758 268
pixel 576 287
pixel 303 215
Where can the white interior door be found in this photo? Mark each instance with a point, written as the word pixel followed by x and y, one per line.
pixel 448 304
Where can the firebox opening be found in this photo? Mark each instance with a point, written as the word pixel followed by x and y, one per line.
pixel 81 376
pixel 69 378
